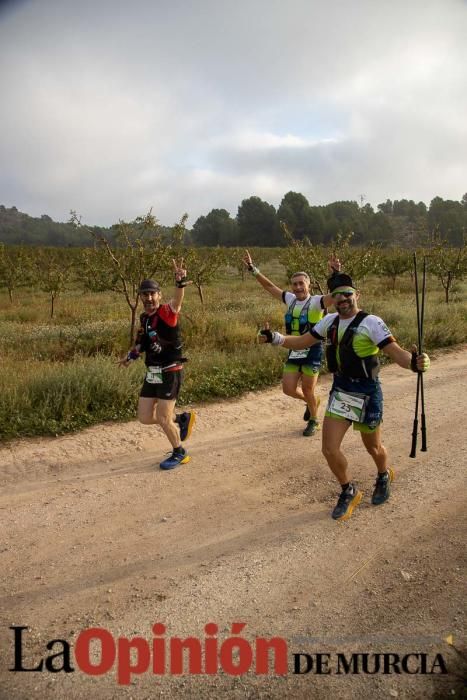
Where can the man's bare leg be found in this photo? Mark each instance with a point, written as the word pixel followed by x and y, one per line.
pixel 376 449
pixel 160 412
pixel 333 434
pixel 309 383
pixel 290 387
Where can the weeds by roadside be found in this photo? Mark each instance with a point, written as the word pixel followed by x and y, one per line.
pixel 61 376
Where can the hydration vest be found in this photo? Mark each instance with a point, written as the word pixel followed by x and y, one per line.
pixel 161 342
pixel 350 364
pixel 304 323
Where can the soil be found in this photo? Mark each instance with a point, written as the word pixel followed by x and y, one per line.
pixel 94 534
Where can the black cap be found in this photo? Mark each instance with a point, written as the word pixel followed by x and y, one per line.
pixel 339 279
pixel 149 286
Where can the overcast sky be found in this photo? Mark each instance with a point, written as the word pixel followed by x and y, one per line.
pixel 111 107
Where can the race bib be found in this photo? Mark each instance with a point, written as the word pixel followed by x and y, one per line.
pixel 298 354
pixel 154 375
pixel 351 406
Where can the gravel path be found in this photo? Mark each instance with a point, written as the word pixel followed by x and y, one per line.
pixel 94 534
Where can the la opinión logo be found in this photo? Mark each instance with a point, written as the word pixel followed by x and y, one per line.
pixel 96 652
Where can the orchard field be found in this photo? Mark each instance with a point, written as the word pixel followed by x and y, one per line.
pixel 65 319
pixel 96 535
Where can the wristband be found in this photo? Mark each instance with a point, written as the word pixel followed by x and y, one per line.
pixel 278 338
pixel 413 362
pixel 132 355
pixel 273 336
pixel 181 283
pixel 254 270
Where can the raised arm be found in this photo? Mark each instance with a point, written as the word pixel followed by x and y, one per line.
pixel 334 266
pixel 180 284
pixel 269 286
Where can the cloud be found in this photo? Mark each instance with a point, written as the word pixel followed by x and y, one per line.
pixel 113 108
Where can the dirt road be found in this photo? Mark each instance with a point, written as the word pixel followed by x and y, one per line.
pixel 95 535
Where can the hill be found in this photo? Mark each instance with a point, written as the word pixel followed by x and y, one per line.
pixel 19 228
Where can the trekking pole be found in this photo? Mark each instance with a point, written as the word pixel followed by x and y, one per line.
pixel 422 394
pixel 413 451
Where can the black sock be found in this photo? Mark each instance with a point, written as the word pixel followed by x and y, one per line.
pixel 383 475
pixel 344 487
pixel 179 450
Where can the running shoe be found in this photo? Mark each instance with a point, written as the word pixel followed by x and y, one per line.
pixel 307 414
pixel 382 487
pixel 186 422
pixel 311 428
pixel 347 501
pixel 177 457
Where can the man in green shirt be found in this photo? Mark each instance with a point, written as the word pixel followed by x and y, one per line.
pixel 353 342
pixel 301 369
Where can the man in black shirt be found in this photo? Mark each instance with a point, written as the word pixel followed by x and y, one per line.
pixel 159 338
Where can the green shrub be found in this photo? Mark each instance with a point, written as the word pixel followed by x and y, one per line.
pixel 56 398
pixel 224 375
pixel 61 376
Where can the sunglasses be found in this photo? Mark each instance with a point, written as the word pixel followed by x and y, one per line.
pixel 344 294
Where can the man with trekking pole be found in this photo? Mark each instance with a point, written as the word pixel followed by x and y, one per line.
pixel 353 340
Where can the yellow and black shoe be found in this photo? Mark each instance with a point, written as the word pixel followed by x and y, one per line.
pixel 382 487
pixel 311 427
pixel 186 422
pixel 178 456
pixel 347 501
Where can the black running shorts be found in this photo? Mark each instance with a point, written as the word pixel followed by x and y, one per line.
pixel 168 390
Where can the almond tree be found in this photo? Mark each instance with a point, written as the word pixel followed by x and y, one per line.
pixel 394 263
pixel 15 268
pixel 447 264
pixel 142 250
pixel 53 270
pixel 303 255
pixel 203 266
pixel 358 262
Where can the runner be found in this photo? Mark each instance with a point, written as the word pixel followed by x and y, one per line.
pixel 303 311
pixel 159 338
pixel 353 341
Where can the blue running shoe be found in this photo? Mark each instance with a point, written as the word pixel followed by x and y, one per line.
pixel 347 501
pixel 382 487
pixel 178 456
pixel 186 422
